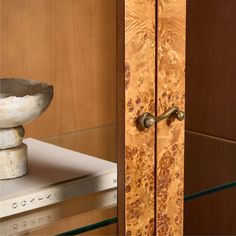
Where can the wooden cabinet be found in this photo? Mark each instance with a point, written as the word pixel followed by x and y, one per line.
pixel 109 62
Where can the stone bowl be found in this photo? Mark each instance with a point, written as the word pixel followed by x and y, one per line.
pixel 22 101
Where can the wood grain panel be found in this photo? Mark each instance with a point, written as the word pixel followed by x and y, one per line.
pixel 213 214
pixel 208 162
pixel 211 71
pixel 170 136
pixel 139 97
pixel 70 44
pixel 120 8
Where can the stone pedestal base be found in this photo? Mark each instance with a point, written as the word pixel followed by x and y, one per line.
pixel 13 153
pixel 11 137
pixel 13 162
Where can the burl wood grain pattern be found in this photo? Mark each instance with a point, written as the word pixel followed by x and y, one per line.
pixel 139 97
pixel 70 44
pixel 170 136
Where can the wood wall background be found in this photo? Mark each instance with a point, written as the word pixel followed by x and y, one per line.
pixel 210 156
pixel 70 44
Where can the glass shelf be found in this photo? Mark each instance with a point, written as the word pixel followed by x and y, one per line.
pixel 77 215
pixel 212 213
pixel 91 227
pixel 96 141
pixel 84 214
pixel 210 190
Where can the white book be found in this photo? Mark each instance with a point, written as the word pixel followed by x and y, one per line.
pixel 55 174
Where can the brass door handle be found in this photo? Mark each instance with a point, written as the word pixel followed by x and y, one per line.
pixel 146 120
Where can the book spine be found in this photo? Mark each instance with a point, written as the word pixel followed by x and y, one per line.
pixel 58 193
pixel 32 220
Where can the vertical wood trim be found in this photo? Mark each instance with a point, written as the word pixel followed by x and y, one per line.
pixel 140 58
pixel 121 114
pixel 170 136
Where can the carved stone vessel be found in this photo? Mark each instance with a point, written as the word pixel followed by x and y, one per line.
pixel 21 101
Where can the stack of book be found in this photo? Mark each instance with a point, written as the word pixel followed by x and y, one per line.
pixel 55 174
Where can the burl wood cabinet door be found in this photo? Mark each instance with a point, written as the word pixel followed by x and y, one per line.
pixel 151 79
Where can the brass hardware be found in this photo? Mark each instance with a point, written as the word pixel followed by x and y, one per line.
pixel 146 120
